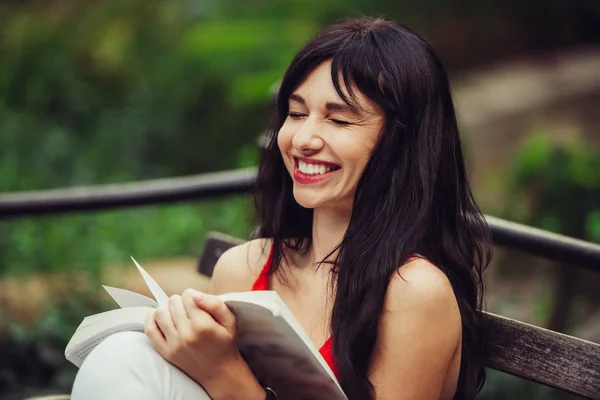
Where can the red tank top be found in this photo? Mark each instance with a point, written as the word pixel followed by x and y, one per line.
pixel 262 283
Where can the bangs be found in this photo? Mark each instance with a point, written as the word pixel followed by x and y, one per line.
pixel 356 68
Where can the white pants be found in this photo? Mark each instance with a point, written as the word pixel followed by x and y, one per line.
pixel 126 366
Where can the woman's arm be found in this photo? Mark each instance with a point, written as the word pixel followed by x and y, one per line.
pixel 419 335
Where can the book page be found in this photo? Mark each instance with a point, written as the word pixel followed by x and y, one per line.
pixel 96 328
pixel 130 317
pixel 127 298
pixel 160 296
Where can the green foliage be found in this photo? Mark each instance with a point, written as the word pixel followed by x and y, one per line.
pixel 593 225
pixel 33 357
pixel 117 91
pixel 553 185
pixel 557 186
pixel 89 241
pixel 500 386
pixel 108 92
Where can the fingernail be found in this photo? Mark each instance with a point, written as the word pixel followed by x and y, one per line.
pixel 198 296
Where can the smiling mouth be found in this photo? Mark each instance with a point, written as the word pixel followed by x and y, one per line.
pixel 313 168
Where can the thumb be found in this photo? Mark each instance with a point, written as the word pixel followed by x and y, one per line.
pixel 214 306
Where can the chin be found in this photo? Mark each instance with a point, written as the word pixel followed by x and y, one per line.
pixel 307 200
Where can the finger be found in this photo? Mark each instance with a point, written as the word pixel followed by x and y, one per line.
pixel 179 315
pixel 200 319
pixel 214 306
pixel 165 323
pixel 154 333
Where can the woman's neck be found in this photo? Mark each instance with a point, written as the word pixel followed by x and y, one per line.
pixel 329 227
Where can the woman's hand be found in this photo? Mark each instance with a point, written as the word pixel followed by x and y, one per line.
pixel 198 333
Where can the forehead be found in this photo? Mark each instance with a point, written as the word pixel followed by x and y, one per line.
pixel 318 89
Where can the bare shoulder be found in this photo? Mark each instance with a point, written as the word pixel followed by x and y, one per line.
pixel 419 334
pixel 237 268
pixel 420 290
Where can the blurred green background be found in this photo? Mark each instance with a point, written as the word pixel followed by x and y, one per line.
pixel 95 92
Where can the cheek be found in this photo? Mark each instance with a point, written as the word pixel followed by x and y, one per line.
pixel 284 140
pixel 366 151
pixel 359 153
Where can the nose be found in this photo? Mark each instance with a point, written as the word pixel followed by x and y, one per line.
pixel 307 139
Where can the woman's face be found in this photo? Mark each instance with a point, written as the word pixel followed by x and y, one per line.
pixel 326 143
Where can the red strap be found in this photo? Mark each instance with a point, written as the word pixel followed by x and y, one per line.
pixel 327 352
pixel 262 282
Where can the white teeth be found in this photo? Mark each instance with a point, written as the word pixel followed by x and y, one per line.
pixel 313 169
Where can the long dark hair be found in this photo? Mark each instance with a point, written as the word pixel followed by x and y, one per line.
pixel 413 196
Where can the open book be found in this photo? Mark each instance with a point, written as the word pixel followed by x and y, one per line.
pixel 272 341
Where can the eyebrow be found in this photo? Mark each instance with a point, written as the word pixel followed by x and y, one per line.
pixel 330 106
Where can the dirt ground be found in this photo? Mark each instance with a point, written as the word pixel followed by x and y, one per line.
pixel 23 298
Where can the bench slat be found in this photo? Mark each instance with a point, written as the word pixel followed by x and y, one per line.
pixel 540 355
pixel 216 244
pixel 529 352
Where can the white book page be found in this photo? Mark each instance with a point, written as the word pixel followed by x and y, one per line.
pixel 127 298
pixel 130 317
pixel 160 296
pixel 96 328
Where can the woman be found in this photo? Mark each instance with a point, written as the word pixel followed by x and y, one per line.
pixel 367 230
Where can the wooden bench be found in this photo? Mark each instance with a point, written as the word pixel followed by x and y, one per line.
pixel 536 354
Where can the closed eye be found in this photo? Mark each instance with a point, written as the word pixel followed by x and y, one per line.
pixel 340 122
pixel 296 115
